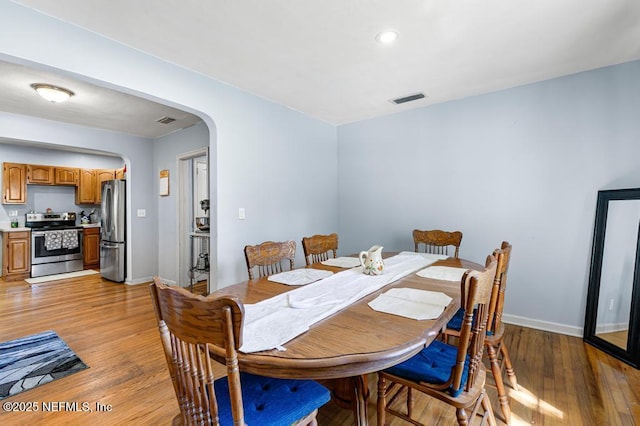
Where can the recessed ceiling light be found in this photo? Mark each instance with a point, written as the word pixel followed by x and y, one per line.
pixel 386 37
pixel 51 93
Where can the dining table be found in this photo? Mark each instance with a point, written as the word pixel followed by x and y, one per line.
pixel 343 348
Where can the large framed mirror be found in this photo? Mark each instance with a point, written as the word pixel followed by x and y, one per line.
pixel 612 321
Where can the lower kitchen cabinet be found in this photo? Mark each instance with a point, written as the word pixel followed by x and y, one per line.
pixel 91 247
pixel 16 255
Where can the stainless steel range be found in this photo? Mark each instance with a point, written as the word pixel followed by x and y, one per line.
pixel 56 243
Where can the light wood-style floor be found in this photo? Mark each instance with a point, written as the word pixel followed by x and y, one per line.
pixel 112 328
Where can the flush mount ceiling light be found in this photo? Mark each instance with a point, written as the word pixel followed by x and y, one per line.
pixel 386 37
pixel 51 93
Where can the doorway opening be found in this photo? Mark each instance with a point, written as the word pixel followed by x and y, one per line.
pixel 194 221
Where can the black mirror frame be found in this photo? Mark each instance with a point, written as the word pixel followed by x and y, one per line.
pixel 632 353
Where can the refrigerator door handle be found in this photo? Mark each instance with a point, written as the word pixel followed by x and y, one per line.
pixel 110 246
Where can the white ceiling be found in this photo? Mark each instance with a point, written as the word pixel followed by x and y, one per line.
pixel 91 105
pixel 321 57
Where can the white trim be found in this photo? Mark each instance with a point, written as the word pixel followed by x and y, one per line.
pixel 143 280
pixel 149 280
pixel 543 325
pixel 611 328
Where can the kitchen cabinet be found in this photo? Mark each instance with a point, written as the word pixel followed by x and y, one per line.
pixel 39 175
pixel 16 255
pixel 86 189
pixel 65 176
pixel 91 247
pixel 101 176
pixel 49 175
pixel 14 183
pixel 120 173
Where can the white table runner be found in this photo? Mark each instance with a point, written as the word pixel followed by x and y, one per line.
pixel 271 323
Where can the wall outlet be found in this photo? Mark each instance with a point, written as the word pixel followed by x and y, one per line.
pixel 611 304
pixel 13 213
pixel 241 214
pixel 142 212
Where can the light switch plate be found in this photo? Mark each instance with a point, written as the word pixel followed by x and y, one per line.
pixel 241 214
pixel 142 212
pixel 13 213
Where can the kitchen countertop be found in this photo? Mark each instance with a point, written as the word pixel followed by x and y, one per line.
pixel 90 225
pixel 10 229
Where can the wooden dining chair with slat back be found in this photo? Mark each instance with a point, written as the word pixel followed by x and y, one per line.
pixel 437 241
pixel 497 352
pixel 452 374
pixel 319 248
pixel 191 328
pixel 268 257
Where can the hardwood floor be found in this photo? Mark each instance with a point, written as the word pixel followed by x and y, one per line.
pixel 112 328
pixel 618 338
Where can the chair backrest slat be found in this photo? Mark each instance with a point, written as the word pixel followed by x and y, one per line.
pixel 268 257
pixel 319 247
pixel 437 241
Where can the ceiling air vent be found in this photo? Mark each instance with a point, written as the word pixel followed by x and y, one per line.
pixel 408 98
pixel 165 120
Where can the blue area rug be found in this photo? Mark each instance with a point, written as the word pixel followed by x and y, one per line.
pixel 35 360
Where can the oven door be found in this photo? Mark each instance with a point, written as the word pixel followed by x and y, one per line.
pixel 56 246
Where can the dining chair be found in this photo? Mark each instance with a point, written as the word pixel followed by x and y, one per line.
pixel 452 374
pixel 436 241
pixel 319 248
pixel 268 257
pixel 497 352
pixel 191 328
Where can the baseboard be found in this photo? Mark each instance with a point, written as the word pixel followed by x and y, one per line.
pixel 145 280
pixel 611 328
pixel 148 280
pixel 543 325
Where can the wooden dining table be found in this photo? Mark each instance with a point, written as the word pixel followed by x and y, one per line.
pixel 346 346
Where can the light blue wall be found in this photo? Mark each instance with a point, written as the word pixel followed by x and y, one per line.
pixel 278 164
pixel 522 165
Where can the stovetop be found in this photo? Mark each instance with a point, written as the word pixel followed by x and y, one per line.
pixel 51 221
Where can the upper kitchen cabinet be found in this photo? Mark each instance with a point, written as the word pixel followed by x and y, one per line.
pixel 120 173
pixel 14 183
pixel 39 175
pixel 66 176
pixel 86 189
pixel 101 176
pixel 89 186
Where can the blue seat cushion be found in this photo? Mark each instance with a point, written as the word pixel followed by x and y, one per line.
pixel 432 365
pixel 456 322
pixel 270 402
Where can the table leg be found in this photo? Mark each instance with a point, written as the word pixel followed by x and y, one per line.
pixel 351 393
pixel 361 394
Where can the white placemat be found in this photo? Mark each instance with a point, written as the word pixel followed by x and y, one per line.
pixel 342 262
pixel 444 273
pixel 300 276
pixel 411 303
pixel 429 256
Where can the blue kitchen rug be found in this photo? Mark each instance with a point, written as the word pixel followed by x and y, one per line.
pixel 31 361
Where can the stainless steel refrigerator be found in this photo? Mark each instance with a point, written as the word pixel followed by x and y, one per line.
pixel 113 231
